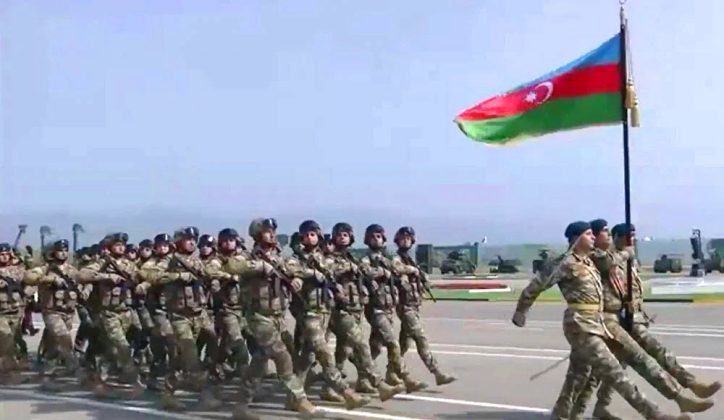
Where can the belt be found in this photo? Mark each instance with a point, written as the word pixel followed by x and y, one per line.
pixel 584 306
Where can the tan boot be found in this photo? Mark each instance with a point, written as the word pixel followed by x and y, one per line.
pixel 703 390
pixel 243 412
pixel 354 400
pixel 412 385
pixel 388 391
pixel 443 379
pixel 306 409
pixel 392 378
pixel 600 412
pixel 365 387
pixel 330 395
pixel 692 405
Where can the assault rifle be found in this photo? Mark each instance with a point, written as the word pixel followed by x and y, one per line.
pixel 328 277
pixel 423 276
pixel 276 272
pixel 196 283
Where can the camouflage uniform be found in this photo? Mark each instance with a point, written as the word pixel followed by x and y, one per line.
pixel 11 277
pixel 162 339
pixel 186 301
pixel 267 301
pixel 612 265
pixel 227 290
pixel 583 327
pixel 409 281
pixel 376 268
pixel 114 292
pixel 318 300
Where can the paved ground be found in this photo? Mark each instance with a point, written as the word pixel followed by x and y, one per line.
pixel 475 340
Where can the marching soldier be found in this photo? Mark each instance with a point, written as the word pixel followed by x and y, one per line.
pixel 377 269
pixel 145 251
pixel 11 277
pixel 58 294
pixel 233 353
pixel 267 299
pixel 132 253
pixel 317 299
pixel 186 298
pixel 114 279
pixel 611 263
pixel 583 327
pixel 410 286
pixel 162 339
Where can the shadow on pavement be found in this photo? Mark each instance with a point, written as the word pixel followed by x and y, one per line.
pixel 495 415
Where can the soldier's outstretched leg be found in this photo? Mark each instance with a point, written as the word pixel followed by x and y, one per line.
pixel 668 361
pixel 239 353
pixel 382 325
pixel 314 327
pixel 410 319
pixel 267 333
pixel 59 326
pixel 9 368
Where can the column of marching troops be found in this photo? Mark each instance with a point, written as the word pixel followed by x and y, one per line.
pixel 592 276
pixel 193 312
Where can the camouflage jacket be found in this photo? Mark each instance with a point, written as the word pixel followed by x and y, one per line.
pixel 264 293
pixel 11 289
pixel 615 290
pixel 149 276
pixel 377 269
pixel 59 289
pixel 184 297
pixel 580 285
pixel 408 281
pixel 316 287
pixel 113 290
pixel 350 293
pixel 225 288
pixel 538 284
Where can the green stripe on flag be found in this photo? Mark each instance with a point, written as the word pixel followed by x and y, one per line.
pixel 561 114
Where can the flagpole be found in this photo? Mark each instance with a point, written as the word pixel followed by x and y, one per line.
pixel 628 304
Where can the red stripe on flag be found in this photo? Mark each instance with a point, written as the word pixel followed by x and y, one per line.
pixel 580 82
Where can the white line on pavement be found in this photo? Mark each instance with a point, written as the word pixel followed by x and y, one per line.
pixel 343 412
pixel 473 403
pixel 560 351
pixel 558 323
pixel 533 357
pixel 98 404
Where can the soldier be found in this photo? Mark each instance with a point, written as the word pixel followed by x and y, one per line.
pixel 234 353
pixel 186 298
pixel 410 286
pixel 267 298
pixel 145 251
pixel 162 339
pixel 328 244
pixel 113 279
pixel 83 258
pixel 583 326
pixel 611 262
pixel 58 294
pixel 11 277
pixel 317 297
pixel 377 269
pixel 132 253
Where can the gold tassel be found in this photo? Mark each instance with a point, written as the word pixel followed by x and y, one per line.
pixel 635 117
pixel 630 95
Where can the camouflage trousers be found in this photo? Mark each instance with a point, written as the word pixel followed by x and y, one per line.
pixel 85 329
pixel 233 343
pixel 383 334
pixel 163 345
pixel 314 347
pixel 117 326
pixel 347 327
pixel 187 330
pixel 411 330
pixel 629 351
pixel 59 343
pixel 9 326
pixel 272 339
pixel 590 354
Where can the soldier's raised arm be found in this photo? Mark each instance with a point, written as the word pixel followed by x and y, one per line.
pixel 371 270
pixel 544 279
pixel 399 267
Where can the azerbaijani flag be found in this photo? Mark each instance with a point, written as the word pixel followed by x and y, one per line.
pixel 584 92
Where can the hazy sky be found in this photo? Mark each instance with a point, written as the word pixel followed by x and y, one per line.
pixel 314 108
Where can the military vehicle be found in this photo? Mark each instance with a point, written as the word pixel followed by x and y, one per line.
pixel 544 255
pixel 504 266
pixel 668 263
pixel 715 248
pixel 456 263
